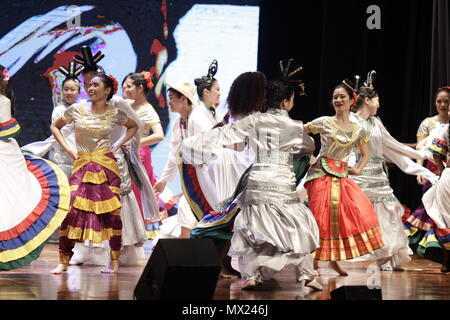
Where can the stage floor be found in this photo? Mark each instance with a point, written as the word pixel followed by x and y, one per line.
pixel 421 280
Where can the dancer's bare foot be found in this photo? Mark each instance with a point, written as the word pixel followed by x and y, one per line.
pixel 250 284
pixel 113 267
pixel 314 284
pixel 334 265
pixel 59 269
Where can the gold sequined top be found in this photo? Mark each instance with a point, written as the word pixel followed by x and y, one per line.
pixel 149 117
pixel 427 126
pixel 93 130
pixel 336 142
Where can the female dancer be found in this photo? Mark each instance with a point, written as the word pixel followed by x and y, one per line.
pixel 374 181
pixel 347 221
pixel 133 231
pixel 272 229
pixel 35 194
pixel 246 96
pixel 418 224
pixel 71 90
pixel 95 181
pixel 136 87
pixel 437 199
pixel 208 91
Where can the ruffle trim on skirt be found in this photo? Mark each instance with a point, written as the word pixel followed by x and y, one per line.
pixel 97 207
pixel 20 244
pixel 433 243
pixel 349 248
pixel 80 234
pixel 95 177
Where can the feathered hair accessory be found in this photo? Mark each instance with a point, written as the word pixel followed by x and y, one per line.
pixel 72 72
pixel 148 79
pixel 370 79
pixel 88 61
pixel 287 75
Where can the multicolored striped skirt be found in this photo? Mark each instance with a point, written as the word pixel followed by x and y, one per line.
pixel 95 202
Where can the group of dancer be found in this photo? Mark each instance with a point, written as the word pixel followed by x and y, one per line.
pixel 239 175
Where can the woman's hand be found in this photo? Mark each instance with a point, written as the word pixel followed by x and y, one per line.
pixel 354 171
pixel 160 186
pixel 421 180
pixel 72 154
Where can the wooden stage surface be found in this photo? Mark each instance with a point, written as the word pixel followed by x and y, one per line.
pixel 421 280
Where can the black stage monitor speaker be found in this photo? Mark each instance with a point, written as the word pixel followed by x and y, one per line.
pixel 356 293
pixel 180 269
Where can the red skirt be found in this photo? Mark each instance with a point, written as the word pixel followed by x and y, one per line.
pixel 348 225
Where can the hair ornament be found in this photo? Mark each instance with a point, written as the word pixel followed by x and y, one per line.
pixel 370 79
pixel 115 83
pixel 5 75
pixel 88 60
pixel 148 79
pixel 212 70
pixel 72 72
pixel 287 75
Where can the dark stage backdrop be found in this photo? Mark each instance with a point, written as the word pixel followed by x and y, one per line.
pixel 332 41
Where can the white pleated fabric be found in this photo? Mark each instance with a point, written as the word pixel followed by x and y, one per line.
pixel 374 181
pixel 272 229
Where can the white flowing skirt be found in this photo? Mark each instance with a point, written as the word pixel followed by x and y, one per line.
pixel 273 229
pixel 375 184
pixel 437 201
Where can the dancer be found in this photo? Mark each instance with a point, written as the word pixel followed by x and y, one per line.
pixel 71 90
pixel 418 224
pixel 272 229
pixel 193 119
pixel 133 231
pixel 136 87
pixel 374 181
pixel 246 96
pixel 437 199
pixel 95 182
pixel 208 91
pixel 35 192
pixel 347 221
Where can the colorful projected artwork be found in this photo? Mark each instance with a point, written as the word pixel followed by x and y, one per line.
pixel 173 40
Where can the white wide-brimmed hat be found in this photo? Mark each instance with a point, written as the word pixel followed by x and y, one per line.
pixel 186 88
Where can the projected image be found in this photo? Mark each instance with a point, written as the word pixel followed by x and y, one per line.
pixel 173 40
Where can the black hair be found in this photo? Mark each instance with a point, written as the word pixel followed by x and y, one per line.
pixel 247 94
pixel 347 89
pixel 203 83
pixel 446 90
pixel 138 80
pixel 108 83
pixel 277 91
pixel 363 93
pixel 7 91
pixel 74 80
pixel 98 70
